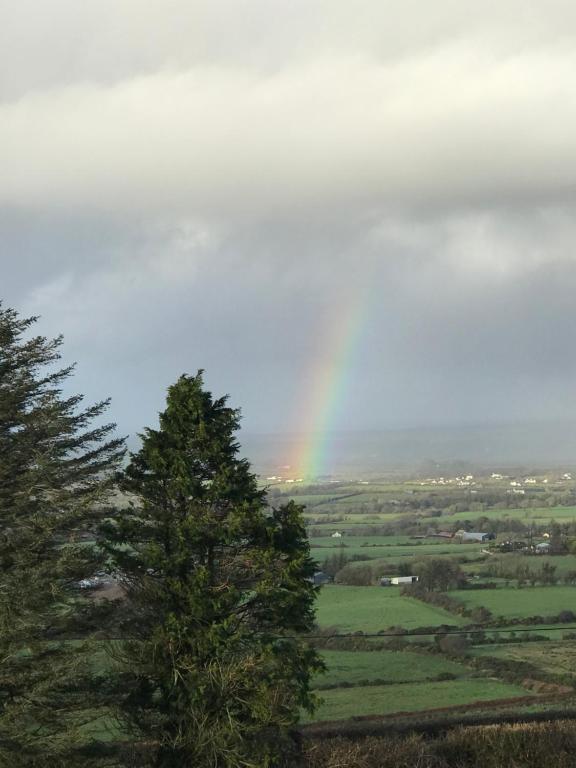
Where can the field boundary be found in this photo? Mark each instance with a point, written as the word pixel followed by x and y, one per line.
pixel 419 722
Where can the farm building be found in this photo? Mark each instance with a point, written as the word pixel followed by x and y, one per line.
pixel 321 578
pixel 336 535
pixel 474 536
pixel 399 580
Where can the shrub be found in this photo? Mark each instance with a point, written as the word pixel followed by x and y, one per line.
pixel 495 746
pixel 453 645
pixel 355 575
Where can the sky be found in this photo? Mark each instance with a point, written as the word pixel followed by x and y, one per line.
pixel 219 185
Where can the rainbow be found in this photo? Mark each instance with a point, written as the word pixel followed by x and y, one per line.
pixel 327 386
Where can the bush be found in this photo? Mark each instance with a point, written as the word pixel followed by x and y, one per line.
pixel 495 746
pixel 442 676
pixel 453 645
pixel 355 575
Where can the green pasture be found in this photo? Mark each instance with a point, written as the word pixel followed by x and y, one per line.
pixel 409 550
pixel 511 602
pixel 350 521
pixel 370 609
pixel 341 703
pixel 360 541
pixel 383 491
pixel 511 560
pixel 391 553
pixel 381 566
pixel 308 499
pixel 362 497
pixel 535 515
pixel 390 666
pixel 369 553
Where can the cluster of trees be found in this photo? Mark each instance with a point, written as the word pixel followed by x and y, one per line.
pixel 204 661
pixel 437 574
pixel 524 573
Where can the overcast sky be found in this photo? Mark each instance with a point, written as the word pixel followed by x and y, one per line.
pixel 200 183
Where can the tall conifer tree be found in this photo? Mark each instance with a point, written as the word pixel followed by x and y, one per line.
pixel 57 464
pixel 219 589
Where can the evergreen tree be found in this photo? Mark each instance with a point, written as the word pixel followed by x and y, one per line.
pixel 56 470
pixel 219 588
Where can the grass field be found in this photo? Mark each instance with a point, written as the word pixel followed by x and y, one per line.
pixel 551 658
pixel 410 550
pixel 537 514
pixel 391 666
pixel 413 697
pixel 367 553
pixel 370 609
pixel 351 521
pixel 562 563
pixel 358 541
pixel 517 603
pixel 396 553
pixel 381 565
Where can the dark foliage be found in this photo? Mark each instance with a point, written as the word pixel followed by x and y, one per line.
pixel 57 463
pixel 218 591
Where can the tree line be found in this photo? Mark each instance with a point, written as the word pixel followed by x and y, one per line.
pixel 200 657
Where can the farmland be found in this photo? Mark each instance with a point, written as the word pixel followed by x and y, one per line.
pixel 513 612
pixel 389 666
pixel 371 609
pixel 412 697
pixel 518 603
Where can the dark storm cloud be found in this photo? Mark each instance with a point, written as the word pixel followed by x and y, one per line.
pixel 213 184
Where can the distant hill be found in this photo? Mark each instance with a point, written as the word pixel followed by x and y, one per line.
pixel 536 445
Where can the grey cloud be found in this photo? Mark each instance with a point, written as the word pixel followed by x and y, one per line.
pixel 216 185
pixel 102 41
pixel 441 341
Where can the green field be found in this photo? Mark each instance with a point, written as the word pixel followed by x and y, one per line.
pixel 370 609
pixel 517 603
pixel 535 515
pixel 313 499
pixel 367 541
pixel 342 703
pixel 391 666
pixel 393 553
pixel 366 553
pixel 381 566
pixel 510 560
pixel 351 521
